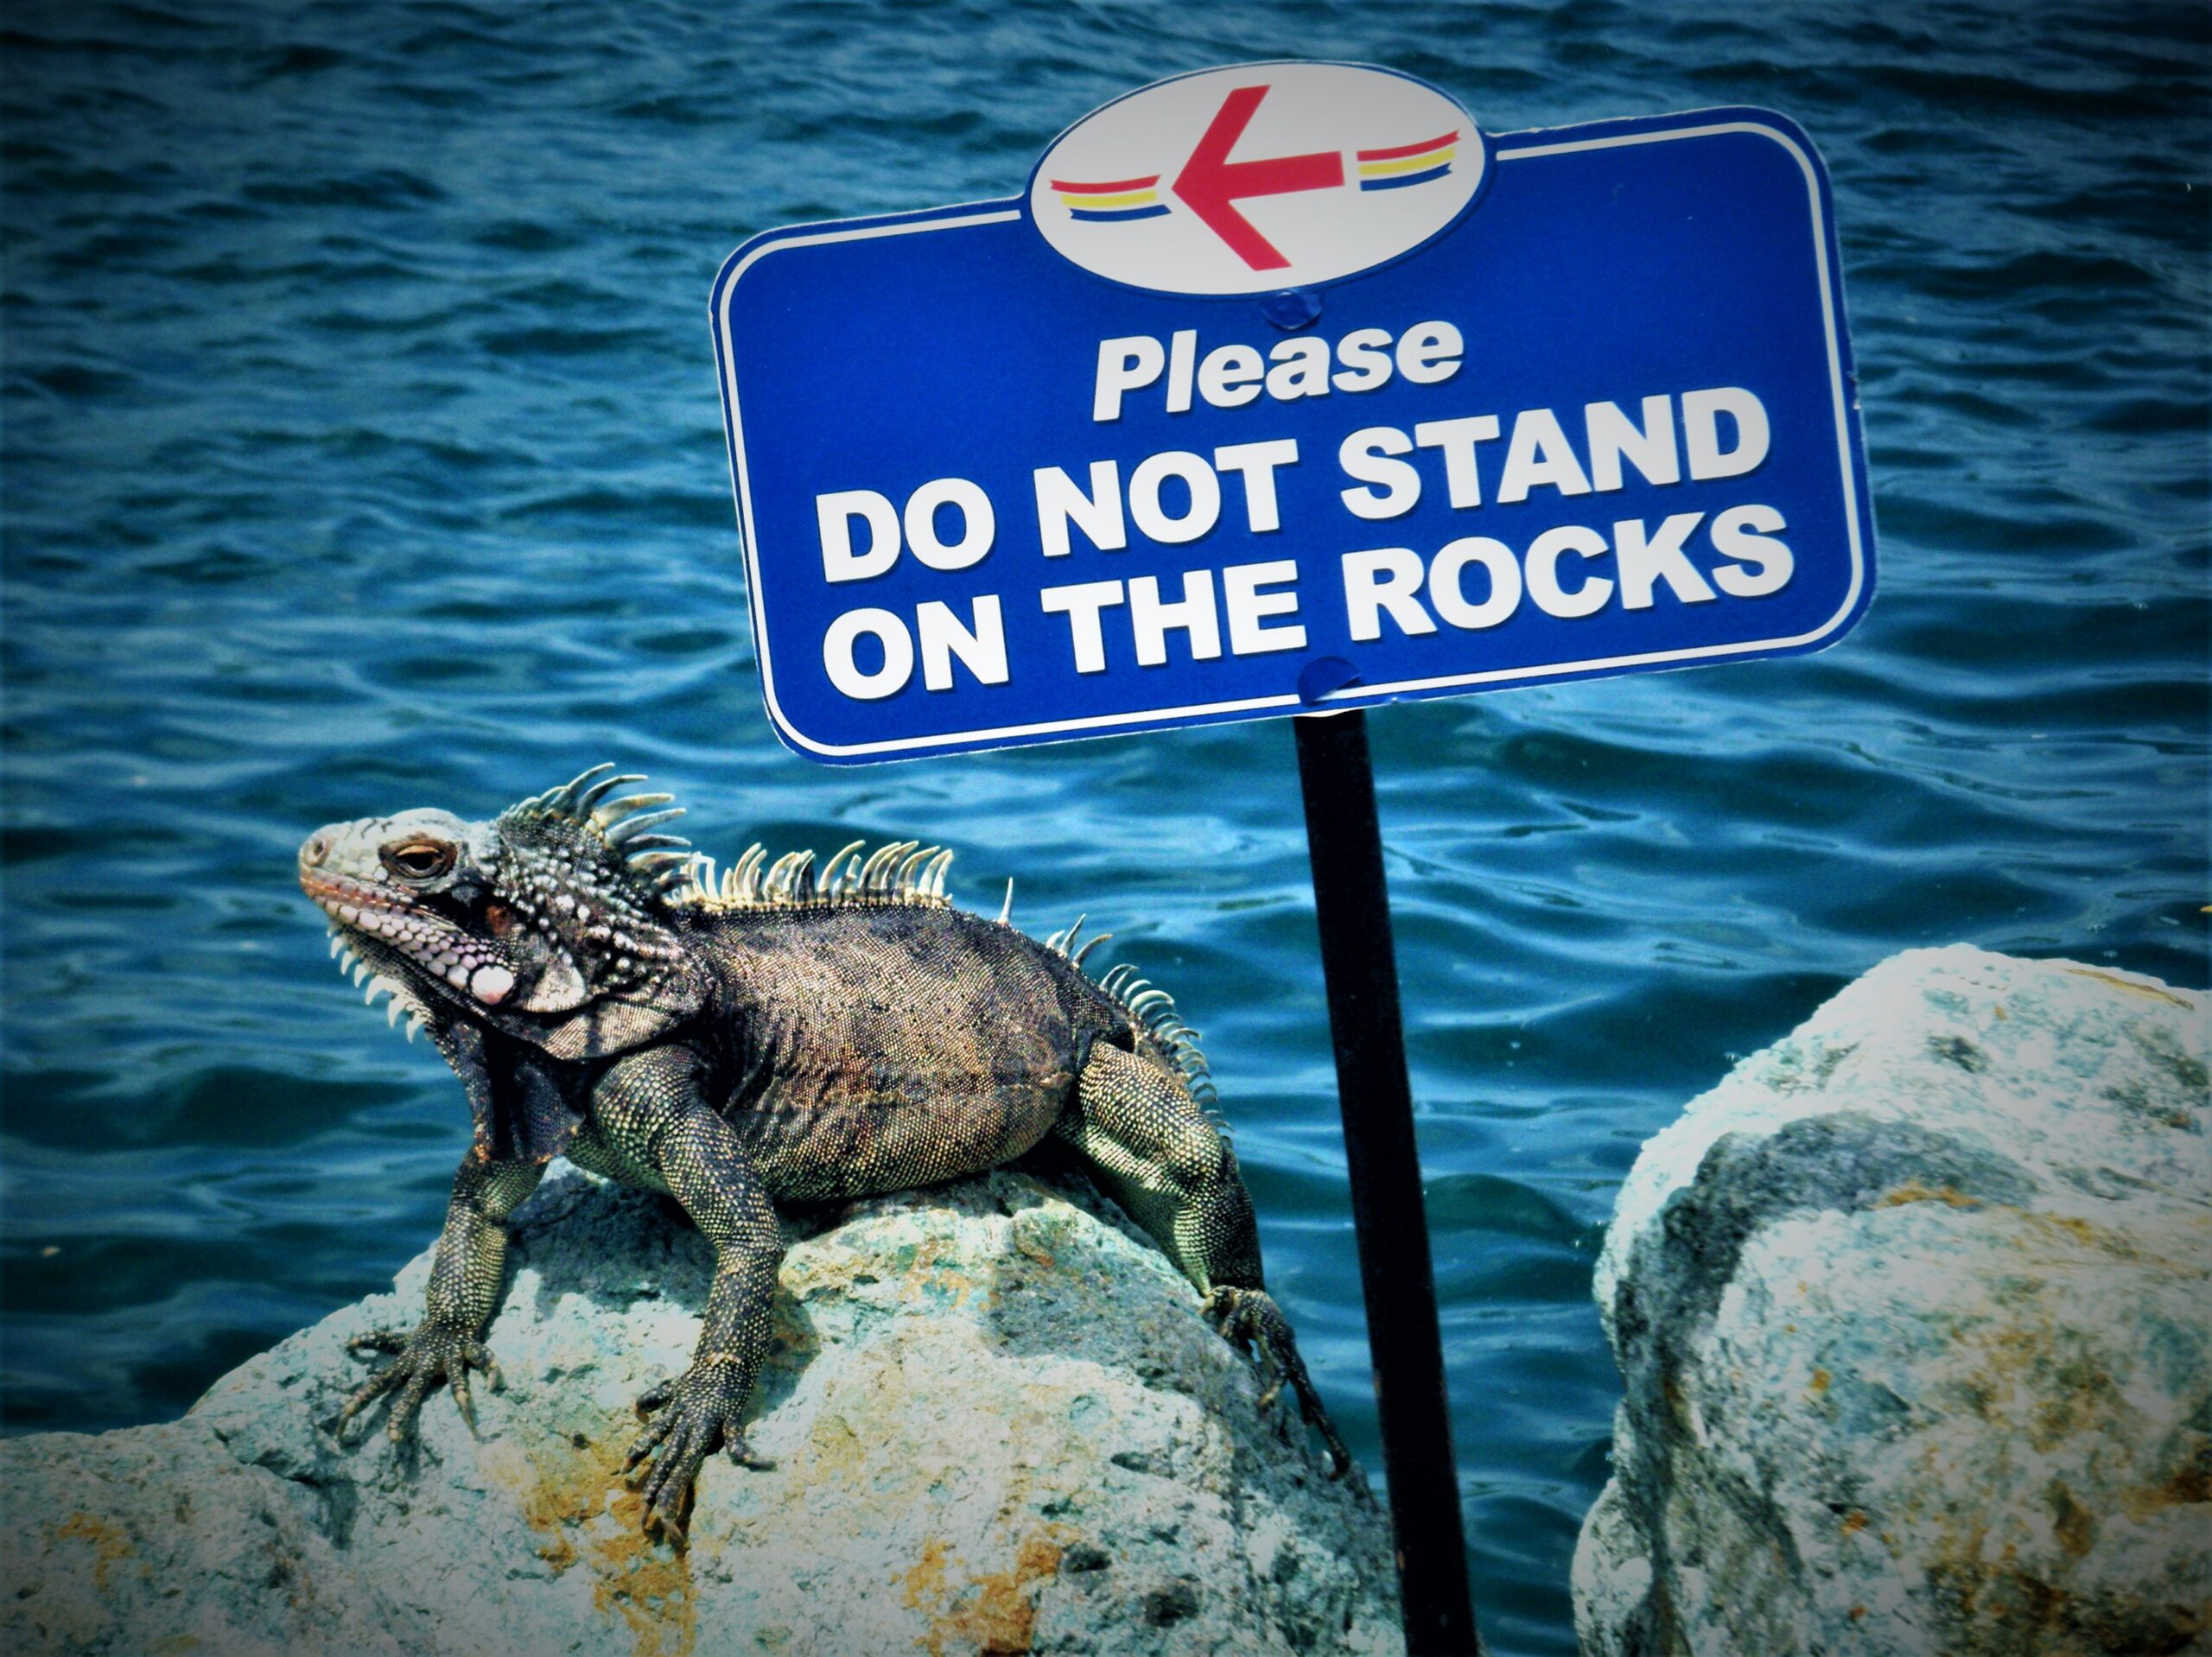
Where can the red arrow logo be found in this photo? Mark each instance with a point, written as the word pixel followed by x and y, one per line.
pixel 1210 181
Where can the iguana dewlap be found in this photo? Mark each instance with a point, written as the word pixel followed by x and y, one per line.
pixel 737 1043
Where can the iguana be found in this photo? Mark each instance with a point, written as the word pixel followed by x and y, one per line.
pixel 771 1036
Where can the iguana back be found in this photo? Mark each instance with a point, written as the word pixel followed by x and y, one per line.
pixel 882 1046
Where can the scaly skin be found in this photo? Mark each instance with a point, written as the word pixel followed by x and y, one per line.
pixel 746 1043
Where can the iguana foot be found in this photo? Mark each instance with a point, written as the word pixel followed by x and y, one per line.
pixel 698 1415
pixel 433 1353
pixel 1251 1322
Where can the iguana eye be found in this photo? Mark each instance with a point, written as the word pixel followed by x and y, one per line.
pixel 418 860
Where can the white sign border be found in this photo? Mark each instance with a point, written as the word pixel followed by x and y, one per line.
pixel 996 213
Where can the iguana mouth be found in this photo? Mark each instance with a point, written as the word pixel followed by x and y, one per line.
pixel 425 941
pixel 381 915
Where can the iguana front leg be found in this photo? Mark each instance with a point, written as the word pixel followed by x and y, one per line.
pixel 464 1292
pixel 650 1109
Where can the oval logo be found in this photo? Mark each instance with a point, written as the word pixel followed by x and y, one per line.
pixel 1257 178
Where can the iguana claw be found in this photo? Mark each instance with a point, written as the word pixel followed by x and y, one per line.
pixel 1249 1320
pixel 687 1419
pixel 423 1358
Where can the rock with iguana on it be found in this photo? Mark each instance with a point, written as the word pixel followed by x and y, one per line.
pixel 1915 1315
pixel 1000 1425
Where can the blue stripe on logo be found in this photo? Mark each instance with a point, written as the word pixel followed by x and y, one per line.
pixel 1108 215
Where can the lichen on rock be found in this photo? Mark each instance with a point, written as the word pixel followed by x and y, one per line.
pixel 1914 1312
pixel 1000 1425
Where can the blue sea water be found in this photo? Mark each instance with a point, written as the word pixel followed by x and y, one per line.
pixel 362 450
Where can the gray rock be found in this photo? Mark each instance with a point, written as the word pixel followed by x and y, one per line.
pixel 1914 1312
pixel 156 1539
pixel 999 1425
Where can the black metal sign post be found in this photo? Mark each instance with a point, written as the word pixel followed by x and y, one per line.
pixel 1352 905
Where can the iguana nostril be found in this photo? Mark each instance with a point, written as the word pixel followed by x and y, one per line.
pixel 317 848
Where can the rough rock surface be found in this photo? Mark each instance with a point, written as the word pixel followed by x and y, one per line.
pixel 1000 1423
pixel 1914 1314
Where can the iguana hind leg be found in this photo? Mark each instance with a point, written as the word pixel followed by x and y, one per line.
pixel 1154 1150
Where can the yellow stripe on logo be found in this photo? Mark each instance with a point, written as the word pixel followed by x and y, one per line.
pixel 1409 164
pixel 1127 198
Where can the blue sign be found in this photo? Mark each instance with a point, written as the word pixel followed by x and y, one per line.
pixel 1284 387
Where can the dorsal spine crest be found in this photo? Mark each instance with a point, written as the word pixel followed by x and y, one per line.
pixel 1152 1011
pixel 903 871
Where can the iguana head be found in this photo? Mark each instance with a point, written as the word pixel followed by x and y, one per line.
pixel 550 922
